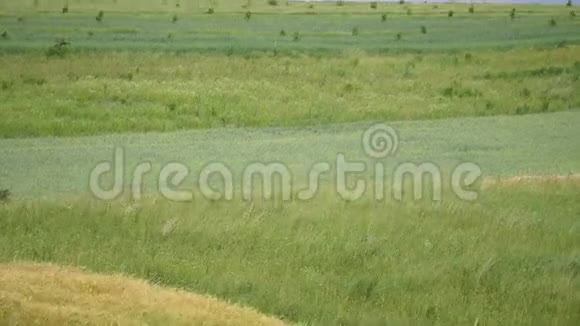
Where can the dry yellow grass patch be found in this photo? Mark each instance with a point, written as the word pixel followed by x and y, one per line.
pixel 43 294
pixel 530 179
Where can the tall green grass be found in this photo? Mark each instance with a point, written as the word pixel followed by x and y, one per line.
pixel 87 94
pixel 510 258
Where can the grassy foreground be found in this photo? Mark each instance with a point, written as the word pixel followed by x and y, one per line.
pixel 32 294
pixel 513 257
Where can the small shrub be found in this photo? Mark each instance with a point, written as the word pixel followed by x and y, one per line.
pixel 423 29
pixel 59 49
pixel 5 85
pixel 178 5
pixel 174 19
pixel 450 13
pixel 65 9
pixel 4 35
pixel 468 57
pixel 100 16
pixel 248 15
pixel 5 195
pixel 273 2
pixel 210 11
pixel 526 92
pixel 373 5
pixel 553 22
pixel 399 36
pixel 311 6
pixel 296 37
pixel 282 32
pixel 20 19
pixel 513 13
pixel 355 31
pixel 471 9
pixel 90 33
pixel 572 14
pixel 384 17
pixel 409 12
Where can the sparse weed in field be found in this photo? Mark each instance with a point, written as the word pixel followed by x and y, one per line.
pixel 553 22
pixel 384 17
pixel 59 49
pixel 5 85
pixel 409 12
pixel 65 9
pixel 399 36
pixel 373 5
pixel 248 15
pixel 90 33
pixel 526 92
pixel 100 16
pixel 210 11
pixel 456 90
pixel 4 35
pixel 282 32
pixel 5 195
pixel 423 29
pixel 450 13
pixel 34 81
pixel 513 13
pixel 273 2
pixel 572 14
pixel 471 9
pixel 174 19
pixel 355 31
pixel 296 37
pixel 468 57
pixel 20 19
pixel 128 76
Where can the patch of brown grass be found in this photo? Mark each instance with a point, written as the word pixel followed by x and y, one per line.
pixel 52 295
pixel 491 182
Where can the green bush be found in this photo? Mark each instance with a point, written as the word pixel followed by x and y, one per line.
pixel 423 29
pixel 373 5
pixel 273 2
pixel 100 16
pixel 450 13
pixel 5 195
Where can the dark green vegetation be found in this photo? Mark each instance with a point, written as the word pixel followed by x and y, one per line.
pixel 87 94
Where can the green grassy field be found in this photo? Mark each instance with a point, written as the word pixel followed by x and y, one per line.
pixel 510 258
pixel 298 84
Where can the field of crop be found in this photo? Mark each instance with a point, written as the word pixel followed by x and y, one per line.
pixel 194 82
